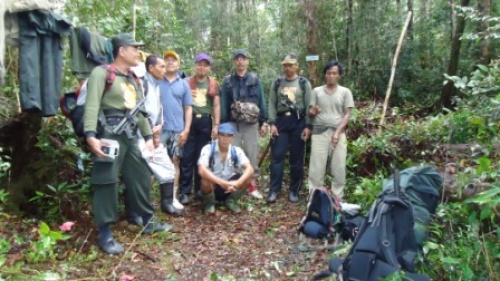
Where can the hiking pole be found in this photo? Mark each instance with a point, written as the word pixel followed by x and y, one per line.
pixel 266 151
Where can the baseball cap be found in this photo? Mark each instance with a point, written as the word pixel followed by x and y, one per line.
pixel 125 40
pixel 240 52
pixel 203 56
pixel 290 59
pixel 226 128
pixel 170 53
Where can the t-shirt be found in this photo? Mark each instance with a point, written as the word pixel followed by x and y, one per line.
pixel 292 89
pixel 332 105
pixel 174 96
pixel 202 101
pixel 222 170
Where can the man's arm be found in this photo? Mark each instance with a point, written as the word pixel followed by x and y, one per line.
pixel 216 114
pixel 245 178
pixel 95 90
pixel 262 104
pixel 206 174
pixel 272 110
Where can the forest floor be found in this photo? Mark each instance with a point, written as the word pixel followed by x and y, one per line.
pixel 260 243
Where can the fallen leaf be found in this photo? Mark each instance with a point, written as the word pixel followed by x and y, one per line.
pixel 66 226
pixel 126 277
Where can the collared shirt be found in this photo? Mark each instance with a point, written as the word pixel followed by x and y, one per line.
pixel 153 102
pixel 221 169
pixel 174 96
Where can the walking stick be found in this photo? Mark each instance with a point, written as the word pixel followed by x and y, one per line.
pixel 266 151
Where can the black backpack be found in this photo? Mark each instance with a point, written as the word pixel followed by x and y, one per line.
pixel 322 219
pixel 386 242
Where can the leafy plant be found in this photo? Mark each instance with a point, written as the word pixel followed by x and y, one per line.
pixel 44 249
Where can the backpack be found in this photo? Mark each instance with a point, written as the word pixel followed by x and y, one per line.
pixel 72 104
pixel 212 90
pixel 279 81
pixel 243 111
pixel 387 241
pixel 234 156
pixel 322 219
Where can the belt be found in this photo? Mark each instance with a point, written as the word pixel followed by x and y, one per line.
pixel 201 116
pixel 286 113
pixel 112 120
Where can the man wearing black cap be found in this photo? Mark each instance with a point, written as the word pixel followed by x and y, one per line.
pixel 288 103
pixel 225 171
pixel 206 111
pixel 242 102
pixel 110 106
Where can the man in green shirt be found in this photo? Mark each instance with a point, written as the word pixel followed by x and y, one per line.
pixel 206 111
pixel 116 155
pixel 288 101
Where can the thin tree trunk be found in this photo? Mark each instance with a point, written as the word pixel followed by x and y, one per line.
pixel 410 25
pixel 484 8
pixel 449 90
pixel 312 44
pixel 348 32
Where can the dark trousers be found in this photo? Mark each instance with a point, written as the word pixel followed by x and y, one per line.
pixel 288 139
pixel 199 136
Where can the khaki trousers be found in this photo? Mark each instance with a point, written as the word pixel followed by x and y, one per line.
pixel 324 157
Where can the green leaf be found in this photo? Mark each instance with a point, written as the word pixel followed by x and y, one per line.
pixel 450 260
pixel 485 213
pixel 44 229
pixel 483 68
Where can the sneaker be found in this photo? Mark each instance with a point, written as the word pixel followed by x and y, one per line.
pixel 177 204
pixel 255 193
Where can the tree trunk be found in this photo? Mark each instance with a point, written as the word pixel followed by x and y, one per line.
pixel 348 32
pixel 484 8
pixel 410 25
pixel 449 90
pixel 311 37
pixel 19 136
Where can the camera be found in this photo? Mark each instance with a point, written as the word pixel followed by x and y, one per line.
pixel 110 148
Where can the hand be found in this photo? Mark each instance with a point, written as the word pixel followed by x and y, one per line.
pixel 157 130
pixel 95 146
pixel 263 130
pixel 156 140
pixel 183 136
pixel 306 134
pixel 335 139
pixel 150 146
pixel 215 131
pixel 314 111
pixel 274 131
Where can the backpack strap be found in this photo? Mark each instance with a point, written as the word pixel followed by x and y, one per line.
pixel 211 157
pixel 234 157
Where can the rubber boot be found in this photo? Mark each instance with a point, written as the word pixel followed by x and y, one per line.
pixel 232 201
pixel 208 202
pixel 167 197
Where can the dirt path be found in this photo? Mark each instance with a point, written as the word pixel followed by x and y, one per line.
pixel 261 243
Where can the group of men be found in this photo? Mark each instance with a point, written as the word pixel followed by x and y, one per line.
pixel 199 138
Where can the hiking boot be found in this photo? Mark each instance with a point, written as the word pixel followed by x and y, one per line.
pixel 272 197
pixel 232 201
pixel 184 199
pixel 293 197
pixel 208 203
pixel 110 246
pixel 154 226
pixel 167 199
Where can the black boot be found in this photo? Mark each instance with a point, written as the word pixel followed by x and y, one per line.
pixel 167 198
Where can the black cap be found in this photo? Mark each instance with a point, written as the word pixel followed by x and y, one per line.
pixel 125 40
pixel 240 52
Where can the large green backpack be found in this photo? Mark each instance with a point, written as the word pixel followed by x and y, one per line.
pixel 422 186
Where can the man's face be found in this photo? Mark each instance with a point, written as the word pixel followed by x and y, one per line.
pixel 332 76
pixel 240 63
pixel 202 68
pixel 157 70
pixel 290 69
pixel 224 140
pixel 130 55
pixel 171 65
